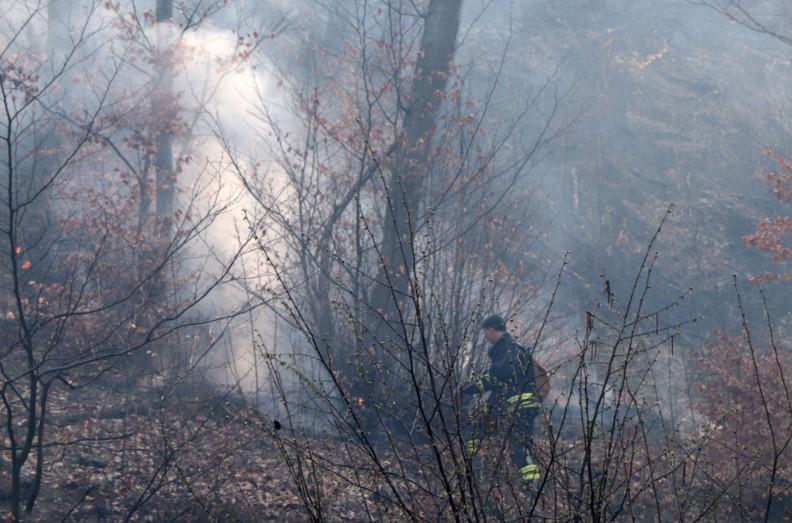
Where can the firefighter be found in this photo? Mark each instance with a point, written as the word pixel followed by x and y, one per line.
pixel 512 402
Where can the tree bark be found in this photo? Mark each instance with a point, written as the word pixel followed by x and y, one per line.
pixel 406 181
pixel 388 303
pixel 163 108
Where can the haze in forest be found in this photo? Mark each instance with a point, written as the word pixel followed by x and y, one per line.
pixel 251 251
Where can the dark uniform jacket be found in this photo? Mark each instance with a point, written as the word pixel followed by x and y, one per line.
pixel 510 379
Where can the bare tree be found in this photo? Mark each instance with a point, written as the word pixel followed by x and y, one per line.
pixel 77 296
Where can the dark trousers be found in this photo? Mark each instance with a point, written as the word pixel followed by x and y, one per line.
pixel 516 427
pixel 521 437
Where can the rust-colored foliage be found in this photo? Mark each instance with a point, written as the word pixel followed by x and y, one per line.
pixel 745 396
pixel 770 232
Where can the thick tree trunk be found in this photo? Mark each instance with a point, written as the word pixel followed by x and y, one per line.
pixel 163 108
pixel 49 143
pixel 159 192
pixel 388 301
pixel 409 172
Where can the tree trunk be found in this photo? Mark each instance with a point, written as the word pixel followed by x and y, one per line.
pixel 163 108
pixel 390 296
pixel 407 177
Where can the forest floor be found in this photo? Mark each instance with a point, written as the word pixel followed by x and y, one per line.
pixel 186 454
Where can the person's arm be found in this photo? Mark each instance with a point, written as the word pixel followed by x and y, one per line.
pixel 479 386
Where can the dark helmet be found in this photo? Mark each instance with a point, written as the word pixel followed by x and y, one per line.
pixel 494 322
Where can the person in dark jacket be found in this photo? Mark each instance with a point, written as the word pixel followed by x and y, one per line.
pixel 512 401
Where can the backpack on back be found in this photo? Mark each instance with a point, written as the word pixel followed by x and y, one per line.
pixel 541 380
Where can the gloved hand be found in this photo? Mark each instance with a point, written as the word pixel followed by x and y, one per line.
pixel 475 387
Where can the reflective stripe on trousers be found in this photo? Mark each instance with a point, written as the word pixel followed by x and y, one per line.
pixel 529 472
pixel 526 400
